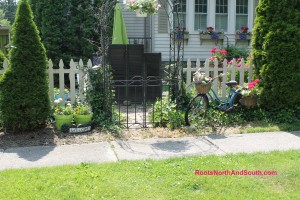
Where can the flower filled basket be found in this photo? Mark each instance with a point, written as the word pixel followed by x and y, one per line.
pixel 203 88
pixel 249 101
pixel 250 94
pixel 143 7
pixel 202 82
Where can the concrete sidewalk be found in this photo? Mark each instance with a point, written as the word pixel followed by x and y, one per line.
pixel 40 156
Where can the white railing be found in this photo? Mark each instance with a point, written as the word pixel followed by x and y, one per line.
pixel 229 72
pixel 76 70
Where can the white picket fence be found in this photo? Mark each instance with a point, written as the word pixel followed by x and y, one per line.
pixel 229 71
pixel 76 70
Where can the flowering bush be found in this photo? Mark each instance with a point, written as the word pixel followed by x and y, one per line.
pixel 200 77
pixel 210 31
pixel 143 6
pixel 252 89
pixel 62 110
pixel 220 55
pixel 82 109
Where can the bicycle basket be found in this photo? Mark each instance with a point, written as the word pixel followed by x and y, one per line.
pixel 202 88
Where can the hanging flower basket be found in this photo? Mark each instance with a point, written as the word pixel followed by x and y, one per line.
pixel 202 88
pixel 139 13
pixel 143 7
pixel 249 101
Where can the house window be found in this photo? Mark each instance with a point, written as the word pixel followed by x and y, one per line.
pixel 221 23
pixel 241 13
pixel 200 15
pixel 180 13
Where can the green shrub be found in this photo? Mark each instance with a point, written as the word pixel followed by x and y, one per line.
pixel 236 52
pixel 276 53
pixel 101 98
pixel 24 102
pixel 165 113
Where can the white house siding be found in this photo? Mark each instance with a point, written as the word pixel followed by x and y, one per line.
pixel 193 49
pixel 136 26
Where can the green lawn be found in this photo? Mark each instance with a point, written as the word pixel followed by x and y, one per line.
pixel 160 179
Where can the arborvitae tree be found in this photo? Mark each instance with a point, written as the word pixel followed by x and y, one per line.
pixel 9 8
pixel 82 29
pixel 24 102
pixel 261 28
pixel 55 30
pixel 276 52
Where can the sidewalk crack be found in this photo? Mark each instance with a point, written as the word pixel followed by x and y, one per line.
pixel 112 146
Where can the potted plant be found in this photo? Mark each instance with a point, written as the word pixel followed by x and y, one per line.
pixel 211 34
pixel 181 33
pixel 250 94
pixel 62 114
pixel 143 7
pixel 202 82
pixel 82 114
pixel 243 34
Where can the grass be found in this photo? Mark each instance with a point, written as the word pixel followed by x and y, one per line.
pixel 268 127
pixel 160 179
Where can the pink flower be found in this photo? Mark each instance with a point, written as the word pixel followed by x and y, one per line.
pixel 250 86
pixel 239 65
pixel 230 62
pixel 213 50
pixel 211 58
pixel 239 59
pixel 256 80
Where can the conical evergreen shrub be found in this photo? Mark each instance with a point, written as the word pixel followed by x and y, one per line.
pixel 24 102
pixel 276 53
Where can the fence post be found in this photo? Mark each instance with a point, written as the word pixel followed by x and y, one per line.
pixel 224 79
pixel 72 81
pixel 62 81
pixel 81 80
pixel 233 69
pixel 188 75
pixel 242 73
pixel 215 73
pixel 51 81
pixel 250 70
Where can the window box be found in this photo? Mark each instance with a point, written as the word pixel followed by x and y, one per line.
pixel 179 36
pixel 243 37
pixel 209 37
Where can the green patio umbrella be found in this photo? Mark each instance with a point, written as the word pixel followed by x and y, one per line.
pixel 119 28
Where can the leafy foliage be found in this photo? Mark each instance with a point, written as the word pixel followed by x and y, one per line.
pixel 276 53
pixel 9 10
pixel 165 113
pixel 24 102
pixel 101 97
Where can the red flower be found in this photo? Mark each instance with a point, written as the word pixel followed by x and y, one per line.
pixel 213 50
pixel 256 81
pixel 223 51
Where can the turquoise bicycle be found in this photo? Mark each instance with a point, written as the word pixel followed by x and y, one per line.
pixel 199 105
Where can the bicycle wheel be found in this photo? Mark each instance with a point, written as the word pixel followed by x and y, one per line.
pixel 196 109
